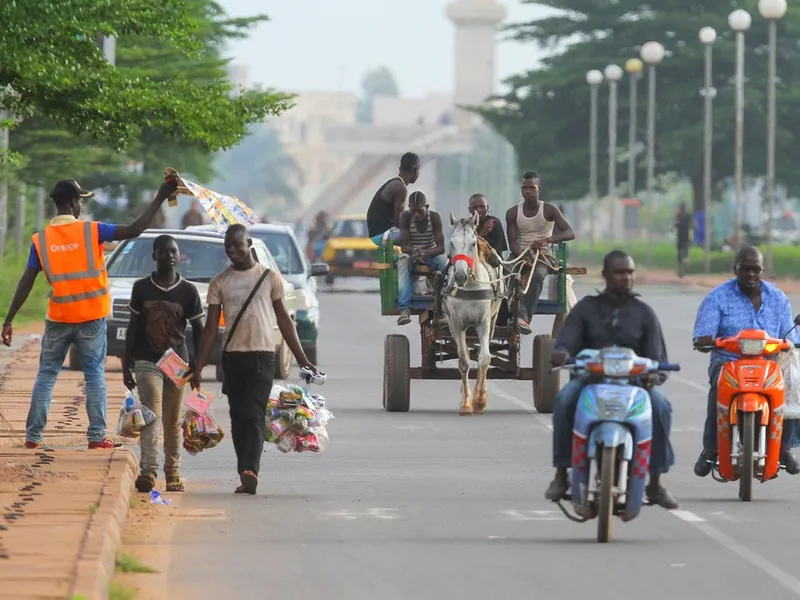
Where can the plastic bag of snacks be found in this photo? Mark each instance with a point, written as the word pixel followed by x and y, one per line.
pixel 133 415
pixel 200 429
pixel 297 419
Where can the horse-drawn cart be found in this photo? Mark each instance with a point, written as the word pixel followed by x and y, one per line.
pixel 437 343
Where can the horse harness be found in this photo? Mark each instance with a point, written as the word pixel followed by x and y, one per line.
pixel 457 292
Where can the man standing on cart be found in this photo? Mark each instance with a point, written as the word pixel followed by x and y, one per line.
pixel 530 229
pixel 383 214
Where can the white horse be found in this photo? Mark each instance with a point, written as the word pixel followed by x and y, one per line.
pixel 470 299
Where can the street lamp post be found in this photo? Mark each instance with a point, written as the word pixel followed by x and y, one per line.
pixel 740 21
pixel 652 54
pixel 613 74
pixel 594 78
pixel 634 68
pixel 708 36
pixel 771 10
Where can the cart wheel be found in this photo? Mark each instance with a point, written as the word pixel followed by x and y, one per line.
pixel 545 383
pixel 396 379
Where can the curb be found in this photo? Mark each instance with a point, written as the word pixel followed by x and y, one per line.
pixel 97 556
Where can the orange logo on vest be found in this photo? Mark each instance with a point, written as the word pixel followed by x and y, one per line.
pixel 73 263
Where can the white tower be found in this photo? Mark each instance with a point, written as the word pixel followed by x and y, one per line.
pixel 476 24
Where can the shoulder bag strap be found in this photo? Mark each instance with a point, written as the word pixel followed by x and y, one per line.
pixel 247 302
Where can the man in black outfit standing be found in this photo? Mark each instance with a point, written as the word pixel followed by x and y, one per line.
pixel 383 215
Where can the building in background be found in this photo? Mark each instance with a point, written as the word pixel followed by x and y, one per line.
pixel 302 131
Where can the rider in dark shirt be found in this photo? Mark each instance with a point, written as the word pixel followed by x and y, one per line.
pixel 615 317
pixel 490 228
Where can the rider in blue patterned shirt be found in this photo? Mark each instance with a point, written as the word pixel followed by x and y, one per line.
pixel 744 302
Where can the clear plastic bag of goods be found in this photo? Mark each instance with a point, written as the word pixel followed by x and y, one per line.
pixel 174 367
pixel 296 420
pixel 133 416
pixel 200 429
pixel 790 366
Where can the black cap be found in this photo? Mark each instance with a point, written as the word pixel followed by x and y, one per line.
pixel 69 188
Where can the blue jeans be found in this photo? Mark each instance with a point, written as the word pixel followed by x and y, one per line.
pixel 661 457
pixel 791 430
pixel 90 339
pixel 392 234
pixel 437 263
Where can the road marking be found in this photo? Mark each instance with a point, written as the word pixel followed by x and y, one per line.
pixel 532 515
pixel 380 514
pixel 687 516
pixel 544 420
pixel 758 561
pixel 691 384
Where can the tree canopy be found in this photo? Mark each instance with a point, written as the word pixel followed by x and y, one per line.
pixel 546 113
pixel 52 66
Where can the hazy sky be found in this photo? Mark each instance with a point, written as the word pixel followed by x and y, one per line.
pixel 329 44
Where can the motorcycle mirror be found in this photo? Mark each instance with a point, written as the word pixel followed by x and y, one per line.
pixel 797 320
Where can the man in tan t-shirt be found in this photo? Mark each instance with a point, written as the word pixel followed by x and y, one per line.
pixel 248 362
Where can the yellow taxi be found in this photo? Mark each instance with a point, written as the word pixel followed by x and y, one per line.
pixel 348 251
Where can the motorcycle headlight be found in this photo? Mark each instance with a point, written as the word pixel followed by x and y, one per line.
pixel 612 404
pixel 617 367
pixel 752 347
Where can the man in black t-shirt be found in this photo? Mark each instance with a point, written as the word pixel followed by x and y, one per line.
pixel 490 227
pixel 161 305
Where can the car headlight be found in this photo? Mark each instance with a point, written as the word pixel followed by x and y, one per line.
pixel 613 404
pixel 349 253
pixel 617 367
pixel 752 347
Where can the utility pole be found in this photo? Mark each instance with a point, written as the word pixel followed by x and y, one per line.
pixel 4 114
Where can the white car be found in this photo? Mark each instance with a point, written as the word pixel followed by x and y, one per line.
pixel 202 257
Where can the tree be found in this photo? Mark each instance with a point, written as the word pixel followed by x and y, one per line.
pixel 377 82
pixel 546 113
pixel 52 66
pixel 258 171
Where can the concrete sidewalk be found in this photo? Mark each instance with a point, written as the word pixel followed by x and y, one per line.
pixel 63 507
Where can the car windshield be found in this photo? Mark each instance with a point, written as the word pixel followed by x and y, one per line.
pixel 283 250
pixel 201 259
pixel 350 228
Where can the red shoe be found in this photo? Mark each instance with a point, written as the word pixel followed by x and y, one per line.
pixel 105 444
pixel 32 445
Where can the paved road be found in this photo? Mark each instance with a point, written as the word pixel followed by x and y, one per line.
pixel 432 505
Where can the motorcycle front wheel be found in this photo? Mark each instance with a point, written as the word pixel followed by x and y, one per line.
pixel 605 513
pixel 746 462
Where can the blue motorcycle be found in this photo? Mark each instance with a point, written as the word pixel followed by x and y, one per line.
pixel 611 437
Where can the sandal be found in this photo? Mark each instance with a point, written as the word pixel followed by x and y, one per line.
pixel 145 483
pixel 175 484
pixel 249 483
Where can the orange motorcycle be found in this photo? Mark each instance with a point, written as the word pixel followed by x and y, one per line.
pixel 749 410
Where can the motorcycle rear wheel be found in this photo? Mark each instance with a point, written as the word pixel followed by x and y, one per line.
pixel 746 462
pixel 605 513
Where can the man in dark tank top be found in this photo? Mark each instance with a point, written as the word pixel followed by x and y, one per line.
pixel 383 215
pixel 422 241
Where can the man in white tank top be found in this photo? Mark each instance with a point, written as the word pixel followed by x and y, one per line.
pixel 530 225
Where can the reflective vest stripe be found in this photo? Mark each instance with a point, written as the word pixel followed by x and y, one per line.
pixel 92 270
pixel 78 297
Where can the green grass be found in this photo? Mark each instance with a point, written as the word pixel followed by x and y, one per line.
pixel 787 258
pixel 120 592
pixel 126 563
pixel 35 307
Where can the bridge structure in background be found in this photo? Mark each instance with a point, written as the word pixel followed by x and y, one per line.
pixel 450 157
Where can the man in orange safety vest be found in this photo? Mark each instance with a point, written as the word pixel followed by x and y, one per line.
pixel 70 253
